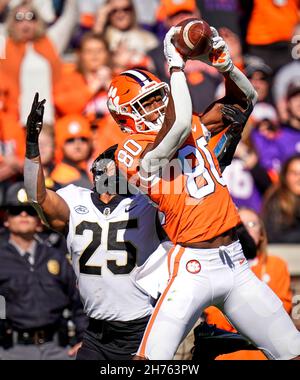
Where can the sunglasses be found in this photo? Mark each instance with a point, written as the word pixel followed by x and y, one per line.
pixel 125 9
pixel 73 139
pixel 27 16
pixel 17 210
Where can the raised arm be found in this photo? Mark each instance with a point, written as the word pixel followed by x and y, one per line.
pixel 60 32
pixel 225 143
pixel 178 118
pixel 53 210
pixel 238 89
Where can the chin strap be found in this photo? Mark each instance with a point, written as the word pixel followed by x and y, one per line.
pixel 154 127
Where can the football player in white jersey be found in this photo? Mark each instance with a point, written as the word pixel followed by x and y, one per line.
pixel 109 236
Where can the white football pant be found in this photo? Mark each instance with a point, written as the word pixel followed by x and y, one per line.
pixel 199 278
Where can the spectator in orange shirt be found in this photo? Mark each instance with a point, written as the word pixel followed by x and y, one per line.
pixel 74 143
pixel 32 60
pixel 270 269
pixel 84 89
pixel 12 152
pixel 270 30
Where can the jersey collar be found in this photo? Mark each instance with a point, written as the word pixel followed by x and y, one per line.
pixel 101 206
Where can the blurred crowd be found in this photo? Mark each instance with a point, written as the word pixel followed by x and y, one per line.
pixel 69 50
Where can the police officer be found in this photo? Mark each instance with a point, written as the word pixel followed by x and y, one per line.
pixel 39 287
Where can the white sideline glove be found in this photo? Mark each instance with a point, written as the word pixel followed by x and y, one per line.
pixel 173 58
pixel 218 56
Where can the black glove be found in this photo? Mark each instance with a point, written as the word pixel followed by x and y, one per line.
pixel 34 126
pixel 235 117
pixel 247 242
pixel 236 120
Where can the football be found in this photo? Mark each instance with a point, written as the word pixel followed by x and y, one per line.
pixel 193 37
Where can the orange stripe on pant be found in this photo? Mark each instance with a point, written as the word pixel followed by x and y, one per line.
pixel 142 350
pixel 169 260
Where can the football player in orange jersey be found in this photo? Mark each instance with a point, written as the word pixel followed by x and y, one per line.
pixel 167 155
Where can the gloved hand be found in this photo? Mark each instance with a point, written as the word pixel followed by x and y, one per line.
pixel 234 116
pixel 173 57
pixel 218 56
pixel 236 119
pixel 34 126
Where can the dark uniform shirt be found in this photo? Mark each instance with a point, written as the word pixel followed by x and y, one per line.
pixel 37 294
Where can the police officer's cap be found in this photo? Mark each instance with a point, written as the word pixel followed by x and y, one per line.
pixel 16 195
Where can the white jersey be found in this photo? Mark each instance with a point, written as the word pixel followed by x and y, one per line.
pixel 107 247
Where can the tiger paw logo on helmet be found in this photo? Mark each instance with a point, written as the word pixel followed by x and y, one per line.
pixel 137 100
pixel 113 100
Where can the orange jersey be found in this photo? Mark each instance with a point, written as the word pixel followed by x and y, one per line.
pixel 190 192
pixel 271 22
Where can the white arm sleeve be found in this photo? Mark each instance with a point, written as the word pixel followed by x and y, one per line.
pixel 61 31
pixel 244 84
pixel 162 153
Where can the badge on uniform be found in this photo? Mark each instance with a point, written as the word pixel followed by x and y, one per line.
pixel 106 211
pixel 53 267
pixel 22 196
pixel 81 209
